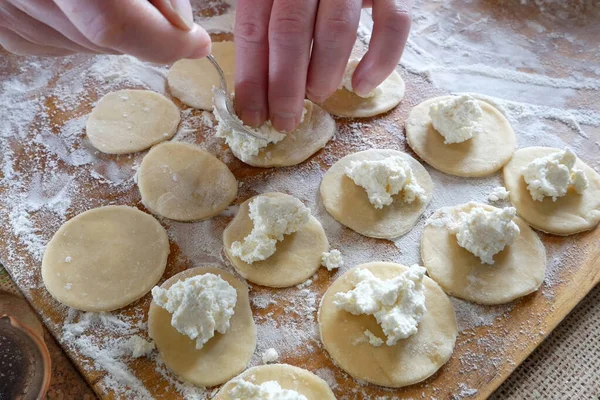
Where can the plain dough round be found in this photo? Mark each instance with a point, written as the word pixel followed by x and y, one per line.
pixel 105 258
pixel 297 258
pixel 183 182
pixel 567 215
pixel 410 360
pixel 311 135
pixel 480 156
pixel 344 103
pixel 349 203
pixel 288 377
pixel 191 81
pixel 223 356
pixel 127 121
pixel 517 271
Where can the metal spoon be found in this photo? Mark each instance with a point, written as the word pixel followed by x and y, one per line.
pixel 224 106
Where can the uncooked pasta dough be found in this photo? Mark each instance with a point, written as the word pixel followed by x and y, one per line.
pixel 287 376
pixel 127 121
pixel 183 182
pixel 567 215
pixel 481 155
pixel 297 258
pixel 191 81
pixel 344 103
pixel 349 203
pixel 410 360
pixel 517 270
pixel 223 356
pixel 105 258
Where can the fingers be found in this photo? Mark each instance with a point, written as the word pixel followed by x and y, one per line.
pixel 334 37
pixel 18 45
pixel 136 28
pixel 177 12
pixel 391 25
pixel 252 52
pixel 290 35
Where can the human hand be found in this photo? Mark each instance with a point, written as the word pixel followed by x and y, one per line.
pixel 276 67
pixel 161 31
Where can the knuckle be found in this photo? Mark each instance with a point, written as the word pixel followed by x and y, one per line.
pixel 397 20
pixel 334 29
pixel 250 32
pixel 104 32
pixel 288 32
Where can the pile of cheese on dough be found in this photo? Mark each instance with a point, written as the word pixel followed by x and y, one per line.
pixel 200 305
pixel 398 304
pixel 457 119
pixel 272 218
pixel 485 233
pixel 270 390
pixel 347 80
pixel 244 145
pixel 332 260
pixel 385 178
pixel 553 175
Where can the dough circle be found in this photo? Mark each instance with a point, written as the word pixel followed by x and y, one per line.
pixel 288 377
pixel 180 181
pixel 567 215
pixel 191 81
pixel 410 360
pixel 479 156
pixel 223 356
pixel 127 121
pixel 297 258
pixel 349 204
pixel 518 270
pixel 105 258
pixel 311 135
pixel 344 103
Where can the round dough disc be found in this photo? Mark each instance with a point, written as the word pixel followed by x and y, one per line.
pixel 288 377
pixel 297 258
pixel 349 204
pixel 311 135
pixel 479 156
pixel 191 81
pixel 567 215
pixel 105 258
pixel 518 269
pixel 410 360
pixel 183 182
pixel 344 103
pixel 223 356
pixel 127 121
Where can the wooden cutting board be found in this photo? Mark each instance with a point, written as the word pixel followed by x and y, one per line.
pixel 484 355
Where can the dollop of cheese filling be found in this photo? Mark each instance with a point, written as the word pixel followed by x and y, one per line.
pixel 270 390
pixel 457 119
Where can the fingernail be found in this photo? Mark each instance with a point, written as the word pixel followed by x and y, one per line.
pixel 253 118
pixel 284 122
pixel 363 88
pixel 183 9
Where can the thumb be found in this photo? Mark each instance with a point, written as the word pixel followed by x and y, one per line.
pixel 177 12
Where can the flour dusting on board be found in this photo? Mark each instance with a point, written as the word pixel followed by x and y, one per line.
pixel 50 173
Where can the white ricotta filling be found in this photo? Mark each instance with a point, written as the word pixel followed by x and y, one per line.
pixel 270 390
pixel 486 233
pixel 553 175
pixel 385 178
pixel 398 304
pixel 272 218
pixel 499 193
pixel 332 260
pixel 200 305
pixel 457 119
pixel 270 356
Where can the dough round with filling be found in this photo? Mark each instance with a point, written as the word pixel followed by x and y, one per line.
pixel 349 203
pixel 297 258
pixel 311 135
pixel 567 215
pixel 127 121
pixel 183 182
pixel 517 270
pixel 191 81
pixel 105 258
pixel 288 377
pixel 344 103
pixel 479 156
pixel 223 356
pixel 410 360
